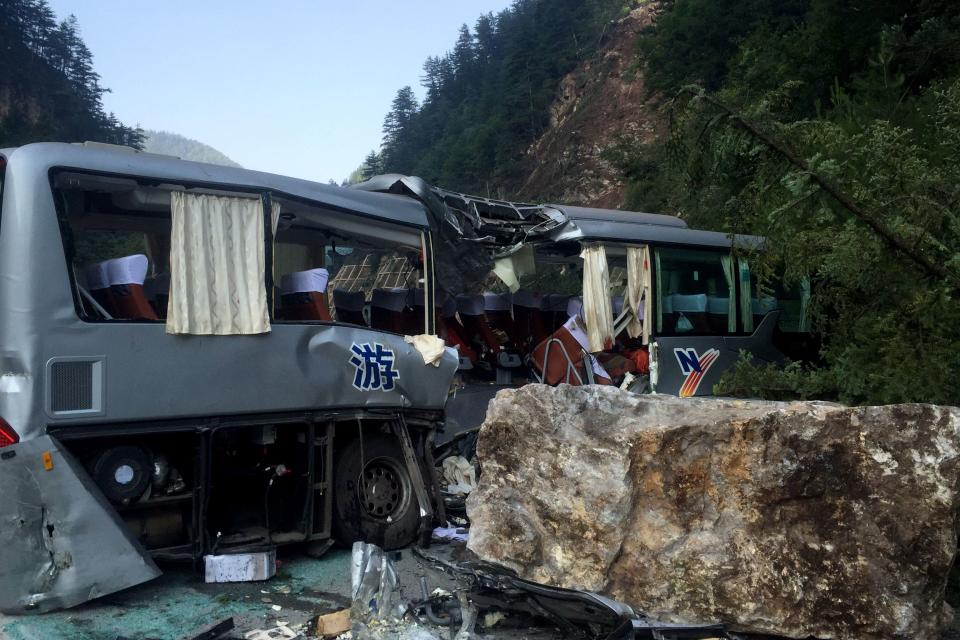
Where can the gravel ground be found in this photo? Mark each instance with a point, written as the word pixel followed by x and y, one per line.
pixel 179 604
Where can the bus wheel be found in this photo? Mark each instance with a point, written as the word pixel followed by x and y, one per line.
pixel 122 473
pixel 373 498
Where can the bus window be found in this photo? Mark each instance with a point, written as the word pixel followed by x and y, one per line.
pixel 329 267
pixel 694 292
pixel 116 236
pixel 792 301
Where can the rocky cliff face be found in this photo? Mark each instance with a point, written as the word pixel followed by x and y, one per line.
pixel 602 101
pixel 798 520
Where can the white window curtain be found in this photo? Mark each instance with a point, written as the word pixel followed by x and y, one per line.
pixel 217 265
pixel 639 298
pixel 597 310
pixel 727 261
pixel 660 293
pixel 746 295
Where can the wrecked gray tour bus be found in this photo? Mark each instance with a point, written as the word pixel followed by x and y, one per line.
pixel 173 381
pixel 580 295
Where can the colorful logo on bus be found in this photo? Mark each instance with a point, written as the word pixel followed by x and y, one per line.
pixel 374 367
pixel 694 366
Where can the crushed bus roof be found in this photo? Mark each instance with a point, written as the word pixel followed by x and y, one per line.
pixel 503 224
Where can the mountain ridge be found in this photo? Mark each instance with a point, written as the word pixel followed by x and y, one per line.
pixel 174 144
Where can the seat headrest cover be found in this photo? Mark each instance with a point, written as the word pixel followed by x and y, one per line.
pixel 717 305
pixel 527 299
pixel 496 301
pixel 305 281
pixel 695 303
pixel 348 300
pixel 391 299
pixel 470 305
pixel 579 334
pixel 763 305
pixel 97 277
pixel 127 270
pixel 574 307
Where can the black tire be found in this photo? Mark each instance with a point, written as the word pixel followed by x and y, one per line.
pixel 122 473
pixel 374 500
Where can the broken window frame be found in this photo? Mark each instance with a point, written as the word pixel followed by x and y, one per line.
pixel 354 226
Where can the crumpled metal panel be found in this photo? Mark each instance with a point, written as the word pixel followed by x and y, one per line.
pixel 61 543
pixel 461 264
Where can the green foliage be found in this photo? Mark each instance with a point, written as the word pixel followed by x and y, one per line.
pixel 372 166
pixel 489 98
pixel 48 88
pixel 791 381
pixel 867 99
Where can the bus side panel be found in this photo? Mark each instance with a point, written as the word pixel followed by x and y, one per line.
pixel 61 543
pixel 691 366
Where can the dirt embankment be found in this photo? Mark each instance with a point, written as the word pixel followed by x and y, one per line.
pixel 604 99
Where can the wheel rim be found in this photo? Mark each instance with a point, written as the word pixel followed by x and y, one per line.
pixel 383 489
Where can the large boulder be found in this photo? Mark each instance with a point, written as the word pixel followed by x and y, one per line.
pixel 793 519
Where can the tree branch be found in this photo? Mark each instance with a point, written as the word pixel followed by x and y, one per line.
pixel 897 243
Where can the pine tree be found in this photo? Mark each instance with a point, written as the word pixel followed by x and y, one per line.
pixel 54 93
pixel 372 166
pixel 489 96
pixel 397 125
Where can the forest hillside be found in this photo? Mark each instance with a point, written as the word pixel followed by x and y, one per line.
pixel 49 90
pixel 830 127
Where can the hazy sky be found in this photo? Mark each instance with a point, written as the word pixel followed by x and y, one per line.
pixel 292 87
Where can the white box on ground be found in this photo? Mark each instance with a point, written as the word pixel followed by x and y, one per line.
pixel 241 567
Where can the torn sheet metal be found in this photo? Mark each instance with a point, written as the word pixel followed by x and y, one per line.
pixel 578 613
pixel 61 543
pixel 461 261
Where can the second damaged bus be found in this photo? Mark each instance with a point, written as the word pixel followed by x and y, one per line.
pixel 581 295
pixel 172 381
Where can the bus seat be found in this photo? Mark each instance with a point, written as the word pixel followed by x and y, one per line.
pixel 554 308
pixel 528 319
pixel 303 295
pixel 689 313
pixel 387 309
pixel 349 306
pixel 498 307
pixel 157 290
pixel 452 333
pixel 471 310
pixel 415 317
pixel 718 310
pixel 126 276
pixel 98 284
pixel 560 358
pixel 574 307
